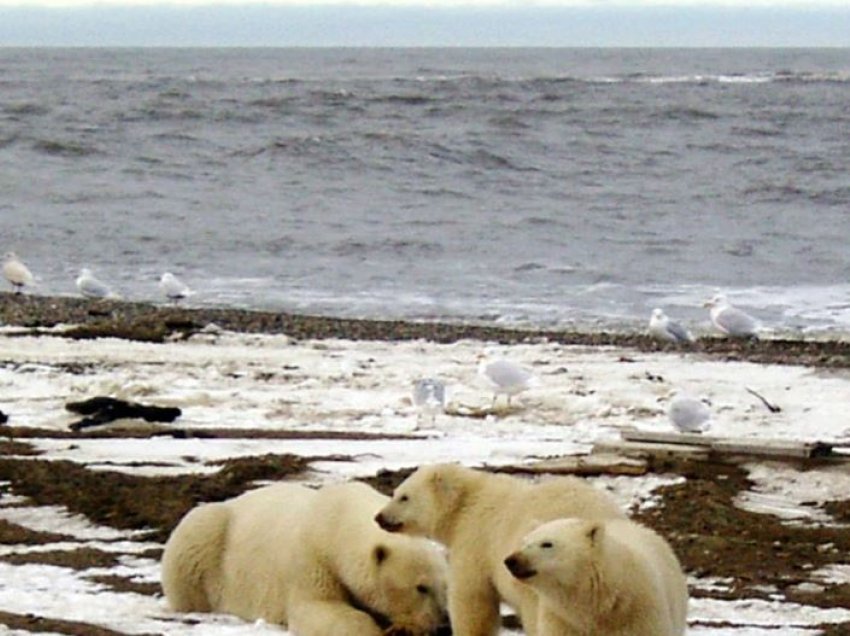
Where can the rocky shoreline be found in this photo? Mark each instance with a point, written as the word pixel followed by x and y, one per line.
pixel 148 322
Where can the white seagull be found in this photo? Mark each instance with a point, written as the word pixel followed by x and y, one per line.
pixel 173 288
pixel 91 287
pixel 663 328
pixel 506 378
pixel 16 272
pixel 731 320
pixel 689 414
pixel 429 396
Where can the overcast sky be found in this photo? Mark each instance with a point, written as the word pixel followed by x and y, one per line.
pixel 425 23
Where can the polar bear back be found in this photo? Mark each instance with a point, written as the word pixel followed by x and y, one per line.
pixel 270 516
pixel 657 569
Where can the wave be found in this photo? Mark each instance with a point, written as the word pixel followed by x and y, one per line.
pixel 560 81
pixel 64 148
pixel 397 247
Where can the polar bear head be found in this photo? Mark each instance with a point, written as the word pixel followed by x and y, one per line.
pixel 559 558
pixel 406 589
pixel 426 501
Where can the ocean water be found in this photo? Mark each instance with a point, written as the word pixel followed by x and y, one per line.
pixel 549 187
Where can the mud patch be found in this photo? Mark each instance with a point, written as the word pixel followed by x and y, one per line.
pixel 77 559
pixel 757 553
pixel 30 623
pixel 139 503
pixel 125 584
pixel 14 534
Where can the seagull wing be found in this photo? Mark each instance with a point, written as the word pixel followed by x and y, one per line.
pixel 735 322
pixel 678 332
pixel 92 287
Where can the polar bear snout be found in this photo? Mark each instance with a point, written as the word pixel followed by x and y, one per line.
pixel 390 525
pixel 519 566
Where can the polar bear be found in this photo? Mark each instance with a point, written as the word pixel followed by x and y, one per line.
pixel 481 517
pixel 312 560
pixel 612 577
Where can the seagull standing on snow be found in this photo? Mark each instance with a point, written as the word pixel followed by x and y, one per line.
pixel 16 272
pixel 429 396
pixel 689 415
pixel 173 288
pixel 663 328
pixel 731 320
pixel 91 287
pixel 506 377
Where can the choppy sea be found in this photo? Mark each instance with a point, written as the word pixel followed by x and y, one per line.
pixel 548 187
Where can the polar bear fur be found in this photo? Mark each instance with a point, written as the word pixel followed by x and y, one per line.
pixel 612 577
pixel 313 560
pixel 481 518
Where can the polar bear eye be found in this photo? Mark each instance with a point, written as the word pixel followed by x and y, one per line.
pixel 423 589
pixel 403 498
pixel 546 544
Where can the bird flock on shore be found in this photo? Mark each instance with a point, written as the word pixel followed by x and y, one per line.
pixel 506 378
pixel 19 277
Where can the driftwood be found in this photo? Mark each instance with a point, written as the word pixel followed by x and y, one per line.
pixel 103 410
pixel 773 408
pixel 583 465
pixel 636 441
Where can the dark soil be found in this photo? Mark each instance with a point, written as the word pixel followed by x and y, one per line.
pixel 36 624
pixel 138 503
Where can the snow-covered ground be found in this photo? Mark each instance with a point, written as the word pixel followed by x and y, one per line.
pixel 236 381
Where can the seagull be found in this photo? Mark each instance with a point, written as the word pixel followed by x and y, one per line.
pixel 173 288
pixel 429 396
pixel 16 272
pixel 663 328
pixel 506 377
pixel 689 414
pixel 91 287
pixel 731 320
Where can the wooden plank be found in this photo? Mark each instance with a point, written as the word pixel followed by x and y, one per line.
pixel 731 446
pixel 632 434
pixel 651 449
pixel 772 448
pixel 586 465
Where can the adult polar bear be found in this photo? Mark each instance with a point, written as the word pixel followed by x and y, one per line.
pixel 313 560
pixel 481 518
pixel 612 577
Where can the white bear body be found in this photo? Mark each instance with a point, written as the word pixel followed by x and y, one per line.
pixel 312 560
pixel 481 518
pixel 593 577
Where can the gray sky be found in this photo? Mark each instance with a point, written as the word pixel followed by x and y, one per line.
pixel 425 23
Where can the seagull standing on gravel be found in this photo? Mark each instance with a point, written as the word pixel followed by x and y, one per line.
pixel 663 328
pixel 173 288
pixel 731 320
pixel 689 414
pixel 16 272
pixel 429 396
pixel 91 287
pixel 506 377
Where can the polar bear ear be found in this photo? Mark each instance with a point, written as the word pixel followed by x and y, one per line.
pixel 380 554
pixel 594 532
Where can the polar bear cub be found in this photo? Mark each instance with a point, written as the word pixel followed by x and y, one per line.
pixel 481 517
pixel 313 560
pixel 612 577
